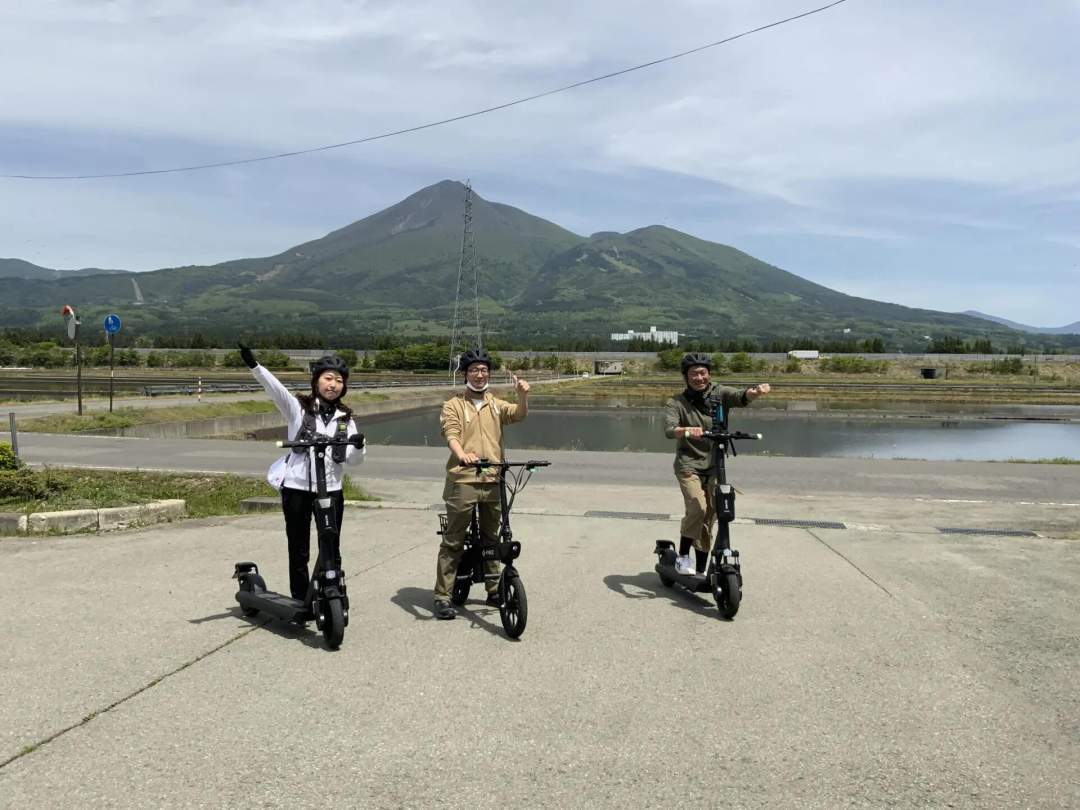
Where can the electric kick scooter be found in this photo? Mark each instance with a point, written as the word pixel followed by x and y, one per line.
pixel 326 600
pixel 724 574
pixel 513 606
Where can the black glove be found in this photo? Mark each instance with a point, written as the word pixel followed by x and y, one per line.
pixel 338 453
pixel 247 356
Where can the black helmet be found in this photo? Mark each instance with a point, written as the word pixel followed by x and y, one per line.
pixel 691 359
pixel 333 363
pixel 475 355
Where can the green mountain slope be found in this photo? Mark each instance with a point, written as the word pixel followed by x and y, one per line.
pixel 396 270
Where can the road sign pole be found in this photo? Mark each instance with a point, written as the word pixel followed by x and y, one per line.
pixel 14 434
pixel 78 366
pixel 112 326
pixel 112 372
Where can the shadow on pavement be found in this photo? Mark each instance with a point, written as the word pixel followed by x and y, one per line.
pixel 647 585
pixel 307 633
pixel 417 603
pixel 231 613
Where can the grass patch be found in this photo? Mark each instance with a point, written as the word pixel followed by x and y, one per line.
pixel 54 490
pixel 129 417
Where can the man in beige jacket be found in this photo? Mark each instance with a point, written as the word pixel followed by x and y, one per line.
pixel 472 424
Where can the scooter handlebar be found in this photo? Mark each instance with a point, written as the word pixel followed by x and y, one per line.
pixel 324 442
pixel 722 436
pixel 483 464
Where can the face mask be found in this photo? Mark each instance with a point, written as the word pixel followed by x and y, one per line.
pixel 472 387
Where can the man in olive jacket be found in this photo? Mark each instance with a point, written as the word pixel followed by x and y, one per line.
pixel 687 417
pixel 472 424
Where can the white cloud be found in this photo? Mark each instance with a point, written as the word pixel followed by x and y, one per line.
pixel 824 127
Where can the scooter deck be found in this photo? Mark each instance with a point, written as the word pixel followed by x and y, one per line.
pixel 273 604
pixel 697 583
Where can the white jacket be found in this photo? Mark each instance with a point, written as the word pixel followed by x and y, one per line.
pixel 297 470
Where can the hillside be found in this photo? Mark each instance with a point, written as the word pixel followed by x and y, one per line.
pixel 395 272
pixel 1068 329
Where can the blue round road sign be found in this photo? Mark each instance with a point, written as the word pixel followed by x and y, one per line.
pixel 112 324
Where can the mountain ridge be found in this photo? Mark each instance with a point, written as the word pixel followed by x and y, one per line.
pixel 396 271
pixel 1067 329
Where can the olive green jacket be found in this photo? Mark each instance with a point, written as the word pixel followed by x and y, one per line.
pixel 694 454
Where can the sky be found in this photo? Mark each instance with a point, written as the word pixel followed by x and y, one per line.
pixel 925 153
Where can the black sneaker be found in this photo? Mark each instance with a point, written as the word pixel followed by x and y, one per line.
pixel 444 610
pixel 493 600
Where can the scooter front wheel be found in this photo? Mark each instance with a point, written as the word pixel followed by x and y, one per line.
pixel 729 596
pixel 334 624
pixel 514 610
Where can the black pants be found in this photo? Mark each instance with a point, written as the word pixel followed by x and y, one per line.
pixel 299 508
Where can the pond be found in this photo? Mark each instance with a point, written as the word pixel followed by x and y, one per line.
pixel 989 434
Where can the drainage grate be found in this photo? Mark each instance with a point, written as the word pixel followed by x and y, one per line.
pixel 994 532
pixel 629 515
pixel 801 524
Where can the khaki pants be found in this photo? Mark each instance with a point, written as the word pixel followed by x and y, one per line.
pixel 697 492
pixel 460 498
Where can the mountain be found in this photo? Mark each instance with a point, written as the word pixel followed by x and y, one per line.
pixel 660 275
pixel 1068 329
pixel 396 271
pixel 17 268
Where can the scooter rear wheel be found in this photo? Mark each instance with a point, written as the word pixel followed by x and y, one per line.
pixel 255 584
pixel 462 584
pixel 334 624
pixel 514 610
pixel 730 597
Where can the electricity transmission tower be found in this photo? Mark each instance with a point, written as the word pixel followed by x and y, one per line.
pixel 466 263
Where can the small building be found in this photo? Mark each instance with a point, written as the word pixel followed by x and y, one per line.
pixel 655 335
pixel 607 367
pixel 803 354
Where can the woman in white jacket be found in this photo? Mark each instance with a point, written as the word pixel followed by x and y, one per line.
pixel 321 412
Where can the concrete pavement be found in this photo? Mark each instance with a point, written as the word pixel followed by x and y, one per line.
pixel 868 667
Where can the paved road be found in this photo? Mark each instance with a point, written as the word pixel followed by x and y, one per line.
pixel 898 668
pixel 792 476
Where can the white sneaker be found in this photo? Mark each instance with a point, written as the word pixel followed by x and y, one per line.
pixel 684 565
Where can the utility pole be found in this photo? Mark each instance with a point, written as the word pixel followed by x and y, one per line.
pixel 73 323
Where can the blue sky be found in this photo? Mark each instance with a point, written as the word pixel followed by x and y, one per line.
pixel 925 153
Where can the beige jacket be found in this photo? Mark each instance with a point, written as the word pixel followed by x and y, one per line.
pixel 478 431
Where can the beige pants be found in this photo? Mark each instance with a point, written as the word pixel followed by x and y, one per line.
pixel 697 523
pixel 460 498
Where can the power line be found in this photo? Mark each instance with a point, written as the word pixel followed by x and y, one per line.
pixel 431 124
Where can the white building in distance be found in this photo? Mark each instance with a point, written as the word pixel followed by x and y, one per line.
pixel 652 334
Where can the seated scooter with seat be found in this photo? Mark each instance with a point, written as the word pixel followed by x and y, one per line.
pixel 480 552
